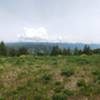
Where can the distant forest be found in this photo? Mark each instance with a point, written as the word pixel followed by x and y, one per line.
pixel 52 51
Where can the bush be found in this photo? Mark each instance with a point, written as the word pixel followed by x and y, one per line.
pixel 57 83
pixel 97 90
pixel 58 88
pixel 38 96
pixel 87 90
pixel 68 92
pixel 2 98
pixel 1 68
pixel 81 83
pixel 67 72
pixel 96 73
pixel 46 77
pixel 59 96
pixel 83 62
pixel 98 80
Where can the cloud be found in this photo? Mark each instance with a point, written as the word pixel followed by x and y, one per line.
pixel 41 35
pixel 38 35
pixel 34 34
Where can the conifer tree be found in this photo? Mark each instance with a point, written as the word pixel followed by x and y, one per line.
pixel 3 49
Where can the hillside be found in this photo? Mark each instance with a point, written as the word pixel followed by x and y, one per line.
pixel 50 78
pixel 47 47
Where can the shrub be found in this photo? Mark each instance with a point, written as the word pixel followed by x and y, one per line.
pixel 59 96
pixel 68 92
pixel 96 73
pixel 86 90
pixel 2 98
pixel 46 77
pixel 97 90
pixel 67 72
pixel 38 96
pixel 58 88
pixel 81 83
pixel 57 83
pixel 83 62
pixel 1 68
pixel 97 80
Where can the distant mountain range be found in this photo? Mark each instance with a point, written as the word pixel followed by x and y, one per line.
pixel 47 46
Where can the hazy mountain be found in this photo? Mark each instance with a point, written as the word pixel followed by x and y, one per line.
pixel 47 47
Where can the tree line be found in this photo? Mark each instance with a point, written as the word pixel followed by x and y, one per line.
pixel 5 51
pixel 56 50
pixel 86 50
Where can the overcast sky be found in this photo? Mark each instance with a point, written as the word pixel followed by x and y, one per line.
pixel 50 20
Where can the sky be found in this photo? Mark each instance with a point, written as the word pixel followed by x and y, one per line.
pixel 50 20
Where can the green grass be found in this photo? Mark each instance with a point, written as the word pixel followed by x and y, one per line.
pixel 50 77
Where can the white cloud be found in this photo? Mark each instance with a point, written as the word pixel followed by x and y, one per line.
pixel 32 33
pixel 41 35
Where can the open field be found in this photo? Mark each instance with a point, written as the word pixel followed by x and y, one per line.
pixel 50 78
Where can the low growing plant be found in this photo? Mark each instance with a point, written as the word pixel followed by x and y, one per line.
pixel 67 72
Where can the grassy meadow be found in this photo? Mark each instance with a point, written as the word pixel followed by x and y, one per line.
pixel 50 78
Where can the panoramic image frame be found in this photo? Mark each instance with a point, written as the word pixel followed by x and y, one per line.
pixel 49 49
